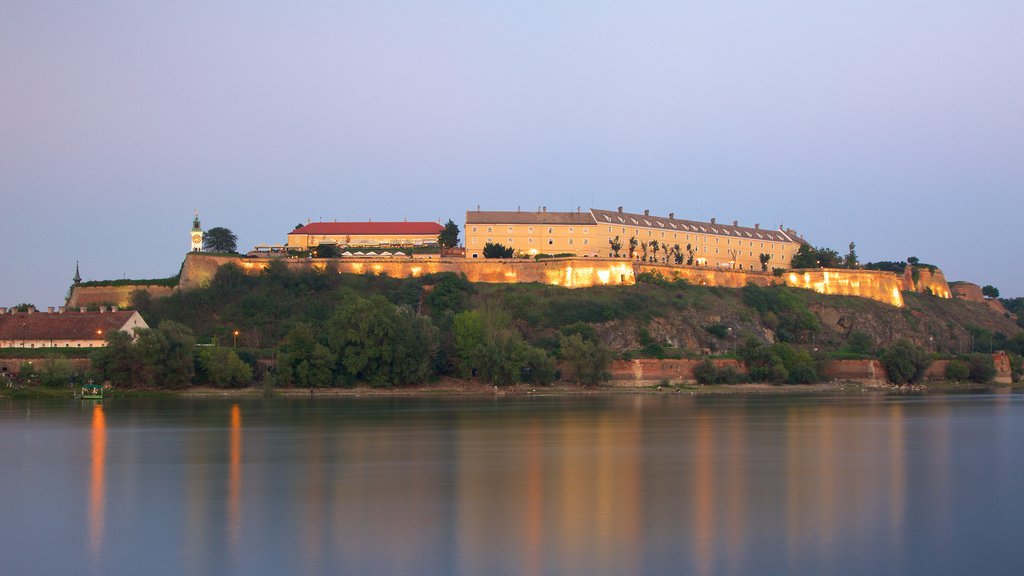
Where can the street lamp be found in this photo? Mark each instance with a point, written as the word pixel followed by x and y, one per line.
pixel 234 339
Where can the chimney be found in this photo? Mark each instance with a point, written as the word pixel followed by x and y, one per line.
pixel 544 208
pixel 647 212
pixel 82 310
pixel 31 309
pixel 60 309
pixel 620 209
pixel 712 220
pixel 113 308
pixel 3 310
pixel 49 309
pixel 735 222
pixel 757 226
pixel 671 215
pixel 103 309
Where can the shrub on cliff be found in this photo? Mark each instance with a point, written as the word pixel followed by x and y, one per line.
pixel 905 362
pixel 707 373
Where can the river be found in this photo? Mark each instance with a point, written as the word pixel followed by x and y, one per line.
pixel 616 484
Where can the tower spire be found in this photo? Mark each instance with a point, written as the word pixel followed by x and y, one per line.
pixel 78 277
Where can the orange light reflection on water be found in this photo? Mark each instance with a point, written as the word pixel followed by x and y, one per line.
pixel 97 481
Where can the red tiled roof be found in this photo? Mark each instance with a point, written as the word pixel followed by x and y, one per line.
pixel 365 228
pixel 66 326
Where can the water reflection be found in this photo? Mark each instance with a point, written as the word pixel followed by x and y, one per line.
pixel 620 485
pixel 97 481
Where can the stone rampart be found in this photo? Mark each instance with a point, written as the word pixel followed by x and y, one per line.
pixel 923 279
pixel 199 269
pixel 648 371
pixel 873 284
pixel 86 296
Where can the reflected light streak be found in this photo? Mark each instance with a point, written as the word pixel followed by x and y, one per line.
pixel 704 494
pixel 235 480
pixel 97 481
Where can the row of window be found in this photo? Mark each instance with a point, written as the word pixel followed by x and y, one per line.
pixel 650 234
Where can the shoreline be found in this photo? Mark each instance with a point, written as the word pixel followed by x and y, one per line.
pixel 452 387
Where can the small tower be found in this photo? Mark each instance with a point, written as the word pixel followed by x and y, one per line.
pixel 197 234
pixel 78 277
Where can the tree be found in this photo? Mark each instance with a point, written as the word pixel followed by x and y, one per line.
pixel 380 343
pixel 860 343
pixel 913 260
pixel 302 361
pixel 495 250
pixel 616 245
pixel 850 261
pixel 806 257
pixel 982 368
pixel 677 254
pixel 632 246
pixel 905 362
pixel 327 251
pixel 764 258
pixel 449 237
pixel 220 240
pixel 223 368
pixel 587 360
pixel 989 291
pixel 828 258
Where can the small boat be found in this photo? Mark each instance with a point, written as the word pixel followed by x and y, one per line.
pixel 92 391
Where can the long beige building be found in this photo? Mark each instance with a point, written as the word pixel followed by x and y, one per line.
pixel 660 239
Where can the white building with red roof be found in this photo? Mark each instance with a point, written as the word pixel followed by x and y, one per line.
pixel 61 329
pixel 364 234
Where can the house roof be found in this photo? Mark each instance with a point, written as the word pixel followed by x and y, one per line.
pixel 676 225
pixel 366 228
pixel 500 217
pixel 66 326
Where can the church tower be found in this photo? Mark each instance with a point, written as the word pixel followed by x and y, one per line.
pixel 197 234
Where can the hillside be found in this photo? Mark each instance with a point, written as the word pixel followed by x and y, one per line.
pixel 654 317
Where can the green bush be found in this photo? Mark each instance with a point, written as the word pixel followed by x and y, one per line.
pixel 982 368
pixel 905 362
pixel 707 373
pixel 957 370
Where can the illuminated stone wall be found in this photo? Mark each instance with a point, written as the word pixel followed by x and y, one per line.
pixel 649 371
pixel 111 295
pixel 199 269
pixel 873 284
pixel 927 281
pixel 710 276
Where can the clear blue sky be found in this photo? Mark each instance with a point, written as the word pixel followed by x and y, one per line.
pixel 897 125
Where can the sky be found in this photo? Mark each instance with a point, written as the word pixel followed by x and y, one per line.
pixel 898 125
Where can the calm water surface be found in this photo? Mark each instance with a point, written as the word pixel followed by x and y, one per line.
pixel 597 485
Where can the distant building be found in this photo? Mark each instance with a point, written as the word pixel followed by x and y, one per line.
pixel 196 234
pixel 62 329
pixel 590 234
pixel 364 234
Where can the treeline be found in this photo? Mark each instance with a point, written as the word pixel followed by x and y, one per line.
pixel 339 330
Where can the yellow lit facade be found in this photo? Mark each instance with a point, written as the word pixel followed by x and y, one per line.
pixel 590 234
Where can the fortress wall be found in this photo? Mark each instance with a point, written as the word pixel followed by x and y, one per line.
pixel 111 295
pixel 649 371
pixel 710 276
pixel 926 280
pixel 866 371
pixel 873 284
pixel 199 269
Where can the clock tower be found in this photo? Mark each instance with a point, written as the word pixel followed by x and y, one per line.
pixel 197 234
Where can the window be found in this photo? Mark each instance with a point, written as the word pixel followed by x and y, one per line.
pixel 586 231
pixel 509 241
pixel 531 240
pixel 586 241
pixel 551 230
pixel 530 229
pixel 570 241
pixel 550 241
pixel 490 239
pixel 474 228
pixel 490 229
pixel 570 229
pixel 510 229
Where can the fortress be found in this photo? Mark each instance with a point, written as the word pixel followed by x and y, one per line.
pixel 592 248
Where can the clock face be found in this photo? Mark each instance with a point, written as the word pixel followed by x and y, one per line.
pixel 196 238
